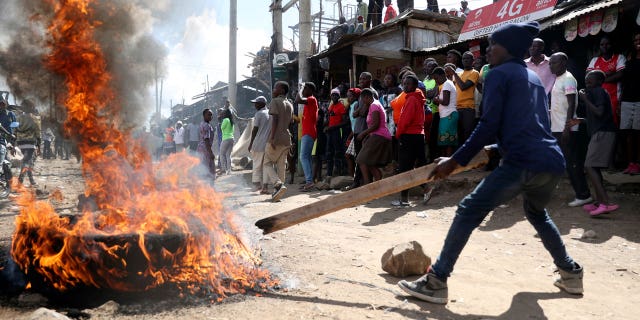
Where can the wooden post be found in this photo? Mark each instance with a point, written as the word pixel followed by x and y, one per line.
pixel 375 190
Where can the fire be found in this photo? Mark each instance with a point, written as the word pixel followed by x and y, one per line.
pixel 156 224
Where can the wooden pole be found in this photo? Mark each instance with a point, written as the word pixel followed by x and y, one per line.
pixel 375 190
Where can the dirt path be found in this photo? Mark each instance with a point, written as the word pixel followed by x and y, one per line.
pixel 330 267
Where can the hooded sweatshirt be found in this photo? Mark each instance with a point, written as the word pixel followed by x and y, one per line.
pixel 412 115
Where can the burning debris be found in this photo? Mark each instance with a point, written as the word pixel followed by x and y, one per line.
pixel 148 225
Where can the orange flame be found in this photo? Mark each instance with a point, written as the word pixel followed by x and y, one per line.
pixel 156 224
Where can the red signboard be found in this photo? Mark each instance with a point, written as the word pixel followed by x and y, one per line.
pixel 487 19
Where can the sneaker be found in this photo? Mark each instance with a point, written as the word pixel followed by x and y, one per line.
pixel 590 207
pixel 278 192
pixel 580 202
pixel 308 187
pixel 603 208
pixel 398 203
pixel 427 288
pixel 634 169
pixel 571 282
pixel 629 168
pixel 427 196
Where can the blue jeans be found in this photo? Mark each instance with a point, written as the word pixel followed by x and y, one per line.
pixel 306 146
pixel 502 185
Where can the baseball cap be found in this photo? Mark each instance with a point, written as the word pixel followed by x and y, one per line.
pixel 260 99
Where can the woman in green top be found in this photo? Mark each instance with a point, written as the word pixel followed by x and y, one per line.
pixel 227 141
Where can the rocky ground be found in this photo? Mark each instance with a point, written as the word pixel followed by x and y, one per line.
pixel 330 268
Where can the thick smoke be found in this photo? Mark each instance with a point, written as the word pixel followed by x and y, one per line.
pixel 134 58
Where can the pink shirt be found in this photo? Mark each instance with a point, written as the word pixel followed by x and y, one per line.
pixel 382 128
pixel 544 73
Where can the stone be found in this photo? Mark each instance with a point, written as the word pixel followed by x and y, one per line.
pixel 47 314
pixel 405 259
pixel 589 234
pixel 32 300
pixel 340 182
pixel 322 185
pixel 109 308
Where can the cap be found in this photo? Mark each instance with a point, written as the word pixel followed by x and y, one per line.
pixel 336 91
pixel 516 37
pixel 261 99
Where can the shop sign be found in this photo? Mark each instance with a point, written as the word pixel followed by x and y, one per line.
pixel 485 20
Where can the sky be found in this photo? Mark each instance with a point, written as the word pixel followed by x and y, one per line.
pixel 195 34
pixel 197 37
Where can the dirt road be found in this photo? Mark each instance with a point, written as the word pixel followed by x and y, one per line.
pixel 330 267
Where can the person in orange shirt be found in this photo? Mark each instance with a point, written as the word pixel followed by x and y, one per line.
pixel 465 82
pixel 410 132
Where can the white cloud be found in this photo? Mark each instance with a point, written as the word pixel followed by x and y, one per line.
pixel 204 50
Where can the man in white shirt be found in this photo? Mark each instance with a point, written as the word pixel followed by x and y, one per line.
pixel 193 134
pixel 564 100
pixel 178 137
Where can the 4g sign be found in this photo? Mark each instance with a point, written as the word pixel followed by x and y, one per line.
pixel 485 20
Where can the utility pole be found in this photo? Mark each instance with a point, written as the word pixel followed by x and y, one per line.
pixel 319 28
pixel 233 48
pixel 277 24
pixel 305 38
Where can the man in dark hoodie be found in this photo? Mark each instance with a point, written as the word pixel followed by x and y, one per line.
pixel 515 114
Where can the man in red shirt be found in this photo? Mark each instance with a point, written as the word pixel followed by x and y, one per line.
pixel 612 65
pixel 309 133
pixel 338 118
pixel 391 12
pixel 410 132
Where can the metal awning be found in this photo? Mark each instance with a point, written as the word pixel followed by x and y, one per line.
pixel 558 16
pixel 566 16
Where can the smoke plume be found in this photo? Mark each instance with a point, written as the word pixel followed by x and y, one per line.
pixel 134 58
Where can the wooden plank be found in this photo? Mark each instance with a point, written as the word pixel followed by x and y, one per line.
pixel 375 190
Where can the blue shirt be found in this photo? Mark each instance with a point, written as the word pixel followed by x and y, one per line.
pixel 515 113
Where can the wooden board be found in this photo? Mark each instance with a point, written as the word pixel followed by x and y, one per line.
pixel 375 190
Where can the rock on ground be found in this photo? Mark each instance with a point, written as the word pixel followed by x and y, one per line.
pixel 47 314
pixel 405 259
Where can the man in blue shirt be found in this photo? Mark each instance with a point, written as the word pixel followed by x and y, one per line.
pixel 514 114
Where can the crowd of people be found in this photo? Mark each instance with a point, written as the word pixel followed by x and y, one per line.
pixel 409 121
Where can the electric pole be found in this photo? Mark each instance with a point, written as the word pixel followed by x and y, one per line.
pixel 305 38
pixel 233 48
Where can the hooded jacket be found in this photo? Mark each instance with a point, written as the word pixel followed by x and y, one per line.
pixel 412 115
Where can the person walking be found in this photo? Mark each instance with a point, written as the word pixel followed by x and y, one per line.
pixel 28 140
pixel 516 115
pixel 279 142
pixel 258 143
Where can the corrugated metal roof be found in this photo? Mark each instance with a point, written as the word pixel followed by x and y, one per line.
pixel 558 16
pixel 570 15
